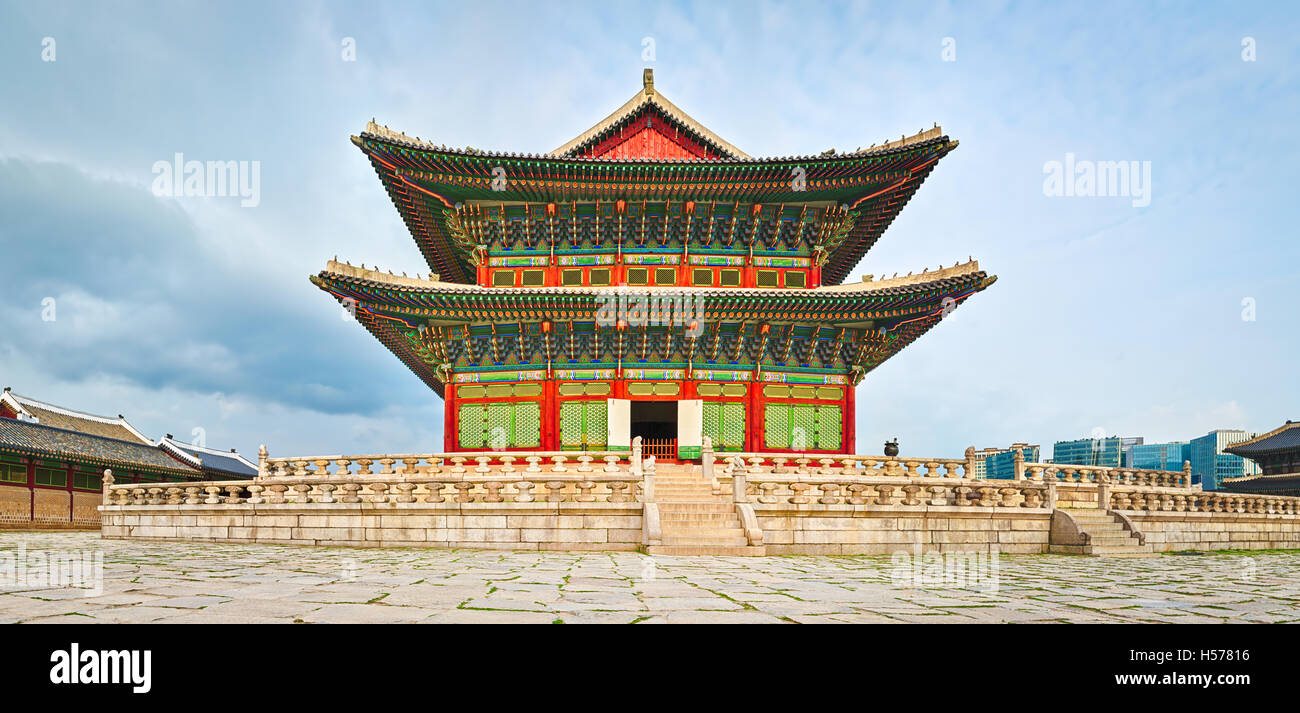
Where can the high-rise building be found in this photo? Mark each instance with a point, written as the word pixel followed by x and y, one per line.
pixel 1210 464
pixel 1093 451
pixel 1001 462
pixel 1157 456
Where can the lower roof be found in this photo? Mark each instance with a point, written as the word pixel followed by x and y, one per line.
pixel 397 310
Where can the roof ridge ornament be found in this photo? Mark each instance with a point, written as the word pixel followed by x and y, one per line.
pixel 648 82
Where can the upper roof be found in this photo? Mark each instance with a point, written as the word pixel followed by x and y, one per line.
pixel 39 440
pixel 1284 438
pixel 47 414
pixel 208 459
pixel 647 151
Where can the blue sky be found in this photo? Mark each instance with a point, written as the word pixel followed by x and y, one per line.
pixel 189 313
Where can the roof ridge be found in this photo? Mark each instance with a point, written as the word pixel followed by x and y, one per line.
pixel 45 405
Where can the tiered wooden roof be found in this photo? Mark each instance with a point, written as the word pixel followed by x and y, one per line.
pixel 664 175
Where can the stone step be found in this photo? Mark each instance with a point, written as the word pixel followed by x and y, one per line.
pixel 1133 550
pixel 1093 517
pixel 705 532
pixel 698 516
pixel 1103 527
pixel 691 542
pixel 698 550
pixel 705 506
pixel 704 537
pixel 1106 540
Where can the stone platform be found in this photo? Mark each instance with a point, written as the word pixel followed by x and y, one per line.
pixel 740 504
pixel 228 583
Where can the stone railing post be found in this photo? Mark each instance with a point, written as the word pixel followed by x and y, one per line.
pixel 1187 475
pixel 739 486
pixel 108 481
pixel 1019 462
pixel 970 461
pixel 706 458
pixel 647 476
pixel 261 462
pixel 636 455
pixel 1050 479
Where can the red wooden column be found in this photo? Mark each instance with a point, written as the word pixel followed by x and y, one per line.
pixel 449 425
pixel 67 468
pixel 31 489
pixel 754 402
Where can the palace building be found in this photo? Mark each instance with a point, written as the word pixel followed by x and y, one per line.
pixel 647 278
pixel 52 462
pixel 1278 455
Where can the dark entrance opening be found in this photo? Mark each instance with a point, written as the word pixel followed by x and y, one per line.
pixel 656 423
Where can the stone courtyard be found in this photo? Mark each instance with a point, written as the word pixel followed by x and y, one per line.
pixel 227 583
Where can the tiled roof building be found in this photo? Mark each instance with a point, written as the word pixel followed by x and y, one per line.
pixel 52 462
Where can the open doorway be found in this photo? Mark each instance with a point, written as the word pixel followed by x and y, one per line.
pixel 656 423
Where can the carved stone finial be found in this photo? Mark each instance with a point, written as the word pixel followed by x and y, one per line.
pixel 648 81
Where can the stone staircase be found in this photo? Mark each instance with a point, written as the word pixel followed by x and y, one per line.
pixel 693 520
pixel 1107 536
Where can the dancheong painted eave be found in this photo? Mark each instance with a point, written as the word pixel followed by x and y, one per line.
pixel 873 319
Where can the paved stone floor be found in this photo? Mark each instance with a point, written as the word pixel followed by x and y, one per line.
pixel 171 582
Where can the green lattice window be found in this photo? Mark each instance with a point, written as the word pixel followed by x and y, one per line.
pixel 12 472
pixel 583 425
pixel 497 426
pixel 55 477
pixel 83 479
pixel 802 427
pixel 724 422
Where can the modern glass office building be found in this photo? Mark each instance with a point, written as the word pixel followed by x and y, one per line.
pixel 1157 456
pixel 1092 451
pixel 1002 463
pixel 1210 465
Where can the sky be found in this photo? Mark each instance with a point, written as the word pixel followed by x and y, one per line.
pixel 1164 312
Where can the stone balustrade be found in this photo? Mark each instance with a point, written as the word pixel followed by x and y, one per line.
pixel 864 466
pixel 1197 501
pixel 551 487
pixel 819 465
pixel 438 465
pixel 600 477
pixel 1105 475
pixel 894 492
pixel 890 482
